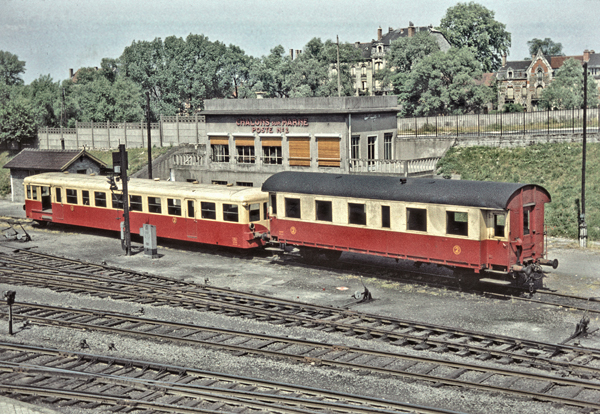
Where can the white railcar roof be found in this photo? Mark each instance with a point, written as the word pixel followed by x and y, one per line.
pixel 141 186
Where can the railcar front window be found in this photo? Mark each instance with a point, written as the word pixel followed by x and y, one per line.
pixel 209 210
pixel 117 201
pixel 99 199
pixel 499 225
pixel 154 205
pixel 85 197
pixel 457 223
pixel 71 196
pixel 526 220
pixel 357 214
pixel 174 206
pixel 292 207
pixel 324 210
pixel 416 219
pixel 274 204
pixel 255 212
pixel 135 203
pixel 58 194
pixel 385 216
pixel 34 191
pixel 230 212
pixel 29 192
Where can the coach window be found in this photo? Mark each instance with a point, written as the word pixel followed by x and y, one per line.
pixel 499 225
pixel 274 204
pixel 527 219
pixel 58 195
pixel 265 211
pixel 99 199
pixel 154 205
pixel 385 217
pixel 135 203
pixel 85 197
pixel 71 196
pixel 255 212
pixel 324 210
pixel 292 207
pixel 357 214
pixel 174 206
pixel 29 192
pixel 416 219
pixel 457 223
pixel 34 191
pixel 191 211
pixel 230 212
pixel 117 201
pixel 209 210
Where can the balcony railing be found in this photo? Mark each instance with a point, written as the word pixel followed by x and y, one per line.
pixel 405 167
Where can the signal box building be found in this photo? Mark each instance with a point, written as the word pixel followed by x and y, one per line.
pixel 248 140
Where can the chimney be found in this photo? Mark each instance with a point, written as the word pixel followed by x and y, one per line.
pixel 379 34
pixel 504 59
pixel 71 73
pixel 586 55
pixel 292 54
pixel 411 29
pixel 390 29
pixel 298 53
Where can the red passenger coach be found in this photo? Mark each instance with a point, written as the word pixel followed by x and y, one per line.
pixel 204 213
pixel 493 229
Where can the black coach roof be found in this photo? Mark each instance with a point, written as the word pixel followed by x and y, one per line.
pixel 486 194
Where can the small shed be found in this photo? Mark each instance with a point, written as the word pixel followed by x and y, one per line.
pixel 35 161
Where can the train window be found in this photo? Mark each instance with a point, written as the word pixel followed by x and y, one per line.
pixel 154 205
pixel 117 201
pixel 209 210
pixel 230 212
pixel 416 219
pixel 265 211
pixel 29 192
pixel 58 194
pixel 499 224
pixel 255 212
pixel 357 214
pixel 274 204
pixel 191 211
pixel 385 216
pixel 174 206
pixel 324 210
pixel 99 199
pixel 135 203
pixel 457 223
pixel 85 197
pixel 526 220
pixel 292 207
pixel 34 191
pixel 71 196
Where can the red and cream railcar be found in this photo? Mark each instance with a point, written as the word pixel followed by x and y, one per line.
pixel 204 213
pixel 491 227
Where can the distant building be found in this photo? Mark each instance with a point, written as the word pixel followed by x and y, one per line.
pixel 32 161
pixel 374 57
pixel 523 81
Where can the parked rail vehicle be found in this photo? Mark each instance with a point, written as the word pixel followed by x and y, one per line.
pixel 205 213
pixel 480 229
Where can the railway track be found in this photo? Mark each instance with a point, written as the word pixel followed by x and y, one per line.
pixel 562 389
pixel 100 382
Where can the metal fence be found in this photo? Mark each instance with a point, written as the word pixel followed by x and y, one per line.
pixel 568 121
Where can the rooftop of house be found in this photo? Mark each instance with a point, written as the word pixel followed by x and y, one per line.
pixel 48 160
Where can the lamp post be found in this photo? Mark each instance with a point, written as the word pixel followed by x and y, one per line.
pixel 582 223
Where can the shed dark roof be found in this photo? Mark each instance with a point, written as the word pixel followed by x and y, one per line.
pixel 485 194
pixel 48 160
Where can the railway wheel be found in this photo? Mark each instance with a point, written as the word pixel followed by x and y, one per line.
pixel 332 255
pixel 466 279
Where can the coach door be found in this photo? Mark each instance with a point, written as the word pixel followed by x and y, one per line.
pixel 191 222
pixel 57 210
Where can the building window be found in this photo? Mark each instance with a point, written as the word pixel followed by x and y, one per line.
pixel 244 184
pixel 71 196
pixel 324 211
pixel 372 148
pixel 457 223
pixel 85 197
pixel 272 155
pixel 254 212
pixel 220 153
pixel 218 182
pixel 99 199
pixel 328 150
pixel 154 205
pixel 416 219
pixel 364 85
pixel 510 93
pixel 385 217
pixel 387 146
pixel 299 151
pixel 209 210
pixel 355 147
pixel 357 214
pixel 292 207
pixel 230 213
pixel 135 203
pixel 174 206
pixel 245 154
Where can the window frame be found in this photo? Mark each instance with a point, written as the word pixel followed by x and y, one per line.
pixel 173 209
pixel 85 197
pixel 231 213
pixel 206 212
pixel 420 221
pixel 356 217
pixel 70 197
pixel 292 204
pixel 328 213
pixel 102 199
pixel 138 204
pixel 455 227
pixel 220 152
pixel 254 212
pixel 154 207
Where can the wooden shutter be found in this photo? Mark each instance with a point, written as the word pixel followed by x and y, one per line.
pixel 329 152
pixel 219 141
pixel 271 141
pixel 299 151
pixel 244 141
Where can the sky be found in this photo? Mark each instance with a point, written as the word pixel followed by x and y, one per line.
pixel 52 36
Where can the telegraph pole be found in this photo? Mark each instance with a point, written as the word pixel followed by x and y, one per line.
pixel 149 138
pixel 338 66
pixel 582 223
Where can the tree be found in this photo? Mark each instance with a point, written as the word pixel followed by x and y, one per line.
pixel 16 121
pixel 566 89
pixel 11 68
pixel 443 83
pixel 44 96
pixel 549 48
pixel 473 25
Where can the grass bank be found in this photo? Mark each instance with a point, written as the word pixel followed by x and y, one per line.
pixel 556 167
